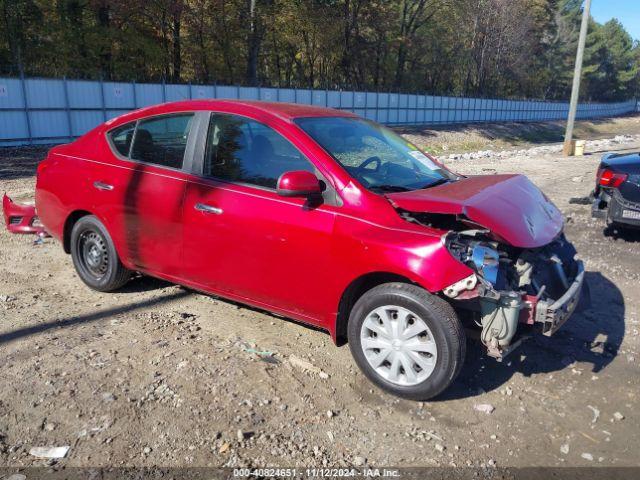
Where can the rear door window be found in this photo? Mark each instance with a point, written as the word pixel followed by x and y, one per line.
pixel 162 140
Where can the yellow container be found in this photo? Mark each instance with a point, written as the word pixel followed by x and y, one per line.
pixel 579 148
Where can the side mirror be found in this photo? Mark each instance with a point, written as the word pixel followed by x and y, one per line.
pixel 298 183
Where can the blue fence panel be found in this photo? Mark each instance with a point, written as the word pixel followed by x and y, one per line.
pixel 11 94
pixel 43 93
pixel 269 94
pixel 177 93
pixel 249 93
pixel 319 98
pixel 114 113
pixel 346 100
pixel 371 99
pixel 83 121
pixel 227 92
pixel 148 94
pixel 118 95
pixel 287 95
pixel 201 92
pixel 305 97
pixel 37 110
pixel 14 128
pixel 383 100
pixel 13 125
pixel 49 124
pixel 84 94
pixel 333 99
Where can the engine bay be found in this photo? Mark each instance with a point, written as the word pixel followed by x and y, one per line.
pixel 513 285
pixel 510 285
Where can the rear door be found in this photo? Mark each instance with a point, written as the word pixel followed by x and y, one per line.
pixel 244 240
pixel 141 193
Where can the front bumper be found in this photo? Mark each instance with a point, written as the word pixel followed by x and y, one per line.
pixel 545 315
pixel 553 314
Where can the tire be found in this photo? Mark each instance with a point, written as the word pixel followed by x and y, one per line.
pixel 95 257
pixel 417 367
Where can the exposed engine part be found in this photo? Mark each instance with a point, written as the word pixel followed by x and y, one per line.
pixel 442 221
pixel 507 268
pixel 487 262
pixel 524 270
pixel 557 264
pixel 475 249
pixel 468 283
pixel 500 318
pixel 499 353
pixel 538 286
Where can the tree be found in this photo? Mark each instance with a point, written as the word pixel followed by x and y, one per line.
pixel 611 63
pixel 463 47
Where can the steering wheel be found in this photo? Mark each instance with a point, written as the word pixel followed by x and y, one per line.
pixel 369 161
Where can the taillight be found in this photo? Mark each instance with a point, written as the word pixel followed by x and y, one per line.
pixel 611 179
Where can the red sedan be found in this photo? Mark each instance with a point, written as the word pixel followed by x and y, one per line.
pixel 321 216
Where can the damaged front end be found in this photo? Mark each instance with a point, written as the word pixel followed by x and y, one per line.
pixel 21 217
pixel 539 287
pixel 510 235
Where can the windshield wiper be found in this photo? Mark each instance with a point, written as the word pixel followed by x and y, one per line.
pixel 390 188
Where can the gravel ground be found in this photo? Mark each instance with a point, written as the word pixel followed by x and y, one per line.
pixel 158 375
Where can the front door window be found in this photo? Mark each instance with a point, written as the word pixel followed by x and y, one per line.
pixel 243 150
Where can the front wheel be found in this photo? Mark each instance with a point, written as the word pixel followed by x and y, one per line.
pixel 95 257
pixel 406 340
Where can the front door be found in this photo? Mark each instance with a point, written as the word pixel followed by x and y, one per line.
pixel 244 240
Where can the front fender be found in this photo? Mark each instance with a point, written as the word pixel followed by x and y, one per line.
pixel 419 256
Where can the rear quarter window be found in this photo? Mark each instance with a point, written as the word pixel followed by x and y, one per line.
pixel 121 138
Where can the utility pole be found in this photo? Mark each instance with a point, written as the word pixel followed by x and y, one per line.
pixel 577 74
pixel 252 61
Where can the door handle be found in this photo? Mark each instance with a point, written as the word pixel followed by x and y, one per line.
pixel 102 186
pixel 201 207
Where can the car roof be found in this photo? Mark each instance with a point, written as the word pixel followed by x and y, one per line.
pixel 284 111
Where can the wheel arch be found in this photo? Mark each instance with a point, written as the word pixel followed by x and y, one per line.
pixel 353 292
pixel 70 221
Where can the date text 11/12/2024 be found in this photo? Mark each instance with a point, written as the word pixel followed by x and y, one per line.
pixel 316 473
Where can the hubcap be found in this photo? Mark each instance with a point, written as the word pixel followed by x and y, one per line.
pixel 398 345
pixel 94 253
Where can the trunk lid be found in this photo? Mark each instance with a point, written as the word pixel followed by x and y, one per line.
pixel 510 206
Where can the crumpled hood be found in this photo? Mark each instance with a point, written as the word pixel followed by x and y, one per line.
pixel 510 206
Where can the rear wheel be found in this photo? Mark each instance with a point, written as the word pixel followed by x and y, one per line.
pixel 406 341
pixel 94 256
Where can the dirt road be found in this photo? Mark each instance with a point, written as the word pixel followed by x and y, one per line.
pixel 159 375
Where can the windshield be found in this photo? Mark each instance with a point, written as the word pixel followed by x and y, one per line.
pixel 378 158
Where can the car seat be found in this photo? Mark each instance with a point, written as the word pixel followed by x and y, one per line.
pixel 143 147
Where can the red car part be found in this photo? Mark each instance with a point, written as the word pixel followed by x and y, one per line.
pixel 20 217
